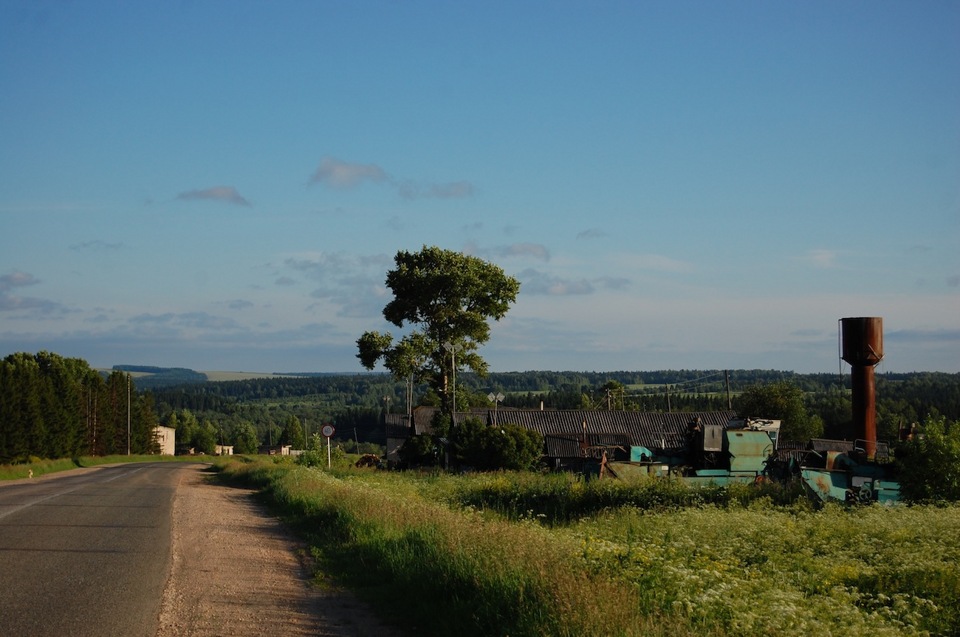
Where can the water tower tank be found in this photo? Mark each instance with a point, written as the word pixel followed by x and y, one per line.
pixel 862 340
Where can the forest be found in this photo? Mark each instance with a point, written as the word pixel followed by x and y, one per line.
pixel 56 407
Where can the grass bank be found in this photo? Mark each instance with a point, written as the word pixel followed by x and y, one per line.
pixel 38 467
pixel 520 554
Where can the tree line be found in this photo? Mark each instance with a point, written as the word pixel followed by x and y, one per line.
pixel 56 407
pixel 356 400
pixel 52 406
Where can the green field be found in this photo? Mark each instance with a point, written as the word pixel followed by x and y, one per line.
pixel 525 554
pixel 222 376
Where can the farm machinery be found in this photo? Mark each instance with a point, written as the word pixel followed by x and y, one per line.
pixel 858 471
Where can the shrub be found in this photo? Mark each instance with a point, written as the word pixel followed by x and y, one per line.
pixel 505 446
pixel 420 450
pixel 929 464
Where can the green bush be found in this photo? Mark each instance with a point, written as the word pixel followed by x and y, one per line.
pixel 929 464
pixel 421 450
pixel 486 448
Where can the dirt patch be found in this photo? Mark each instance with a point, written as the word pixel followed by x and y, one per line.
pixel 236 571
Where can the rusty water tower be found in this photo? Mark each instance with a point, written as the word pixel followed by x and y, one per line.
pixel 862 348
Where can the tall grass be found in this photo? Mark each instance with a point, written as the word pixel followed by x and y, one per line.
pixel 763 570
pixel 517 554
pixel 38 467
pixel 559 498
pixel 441 571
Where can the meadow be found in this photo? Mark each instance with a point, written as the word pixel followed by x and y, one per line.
pixel 530 554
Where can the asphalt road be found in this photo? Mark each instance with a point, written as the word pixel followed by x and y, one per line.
pixel 86 553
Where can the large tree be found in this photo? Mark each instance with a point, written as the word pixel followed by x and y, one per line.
pixel 448 298
pixel 782 401
pixel 293 433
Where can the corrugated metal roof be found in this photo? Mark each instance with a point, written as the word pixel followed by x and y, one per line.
pixel 654 430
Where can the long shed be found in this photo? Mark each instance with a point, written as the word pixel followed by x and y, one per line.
pixel 565 429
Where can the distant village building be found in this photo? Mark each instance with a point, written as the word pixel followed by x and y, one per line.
pixel 276 450
pixel 166 439
pixel 569 434
pixel 224 450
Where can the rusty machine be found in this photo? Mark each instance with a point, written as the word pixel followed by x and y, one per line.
pixel 856 470
pixel 736 452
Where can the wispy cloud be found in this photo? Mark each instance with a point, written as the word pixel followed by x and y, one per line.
pixel 12 303
pixel 199 320
pixel 227 194
pixel 239 304
pixel 513 250
pixel 343 175
pixel 535 250
pixel 537 282
pixel 96 246
pixel 591 233
pixel 654 262
pixel 540 283
pixel 453 190
pixel 924 336
pixel 340 174
pixel 821 258
pixel 354 284
pixel 16 279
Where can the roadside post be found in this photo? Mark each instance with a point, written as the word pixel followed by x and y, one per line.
pixel 327 432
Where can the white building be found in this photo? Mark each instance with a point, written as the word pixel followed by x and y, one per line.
pixel 166 439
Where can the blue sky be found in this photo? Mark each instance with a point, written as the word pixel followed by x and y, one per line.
pixel 697 185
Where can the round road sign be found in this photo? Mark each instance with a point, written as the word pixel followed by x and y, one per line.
pixel 327 431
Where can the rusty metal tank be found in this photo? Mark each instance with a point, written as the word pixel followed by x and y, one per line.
pixel 862 348
pixel 862 340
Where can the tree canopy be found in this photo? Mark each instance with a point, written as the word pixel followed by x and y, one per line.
pixel 783 401
pixel 56 407
pixel 448 298
pixel 930 463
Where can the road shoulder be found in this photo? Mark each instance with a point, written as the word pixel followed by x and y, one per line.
pixel 236 571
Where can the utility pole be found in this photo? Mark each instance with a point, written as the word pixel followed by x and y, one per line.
pixel 727 375
pixel 453 348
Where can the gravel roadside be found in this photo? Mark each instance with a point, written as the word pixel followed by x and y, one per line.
pixel 236 571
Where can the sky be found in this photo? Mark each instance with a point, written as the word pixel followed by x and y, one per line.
pixel 223 185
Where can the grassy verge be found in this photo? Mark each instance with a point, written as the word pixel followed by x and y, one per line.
pixel 518 554
pixel 39 467
pixel 437 570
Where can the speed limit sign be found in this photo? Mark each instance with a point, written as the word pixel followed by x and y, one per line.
pixel 327 431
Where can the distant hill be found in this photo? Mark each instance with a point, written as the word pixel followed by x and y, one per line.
pixel 148 377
